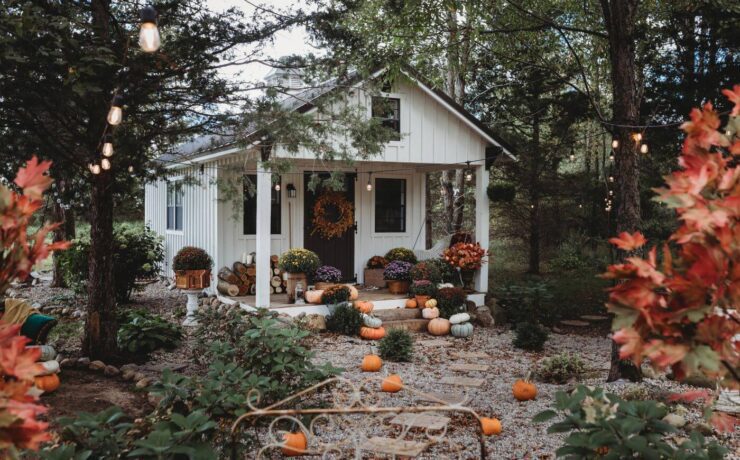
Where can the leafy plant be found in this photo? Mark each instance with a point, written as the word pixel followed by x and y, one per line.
pixel 191 258
pixel 143 333
pixel 426 270
pixel 528 301
pixel 530 336
pixel 446 272
pixel 561 368
pixel 179 435
pixel 501 191
pixel 401 254
pixel 335 294
pixel 397 345
pixel 423 287
pixel 602 425
pixel 92 435
pixel 299 260
pixel 377 262
pixel 450 300
pixel 344 320
pixel 327 274
pixel 397 270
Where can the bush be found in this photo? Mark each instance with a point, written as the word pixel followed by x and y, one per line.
pixel 423 287
pixel 402 254
pixel 344 320
pixel 191 258
pixel 397 345
pixel 530 301
pixel 450 300
pixel 397 270
pixel 560 368
pixel 501 191
pixel 530 336
pixel 335 294
pixel 137 254
pixel 602 425
pixel 299 260
pixel 327 274
pixel 446 272
pixel 377 262
pixel 142 333
pixel 426 271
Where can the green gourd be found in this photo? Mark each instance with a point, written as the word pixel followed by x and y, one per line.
pixel 462 330
pixel 372 321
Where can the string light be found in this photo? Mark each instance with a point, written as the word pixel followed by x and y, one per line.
pixel 611 178
pixel 94 168
pixel 644 148
pixel 149 34
pixel 580 206
pixel 468 173
pixel 611 157
pixel 277 187
pixel 572 154
pixel 369 185
pixel 637 137
pixel 611 192
pixel 107 146
pixel 615 143
pixel 130 169
pixel 115 114
pixel 105 164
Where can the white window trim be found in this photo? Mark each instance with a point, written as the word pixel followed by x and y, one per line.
pixel 173 231
pixel 407 233
pixel 404 122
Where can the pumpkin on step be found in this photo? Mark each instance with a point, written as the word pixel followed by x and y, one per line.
pixel 314 296
pixel 391 384
pixel 354 294
pixel 459 318
pixel 439 326
pixel 524 390
pixel 372 321
pixel 411 303
pixel 431 303
pixel 370 333
pixel 371 363
pixel 294 444
pixel 430 313
pixel 47 383
pixel 364 306
pixel 462 330
pixel 490 426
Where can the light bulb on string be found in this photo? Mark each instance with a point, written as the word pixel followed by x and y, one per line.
pixel 149 40
pixel 107 146
pixel 611 178
pixel 637 137
pixel 115 114
pixel 94 168
pixel 572 154
pixel 611 157
pixel 130 169
pixel 277 187
pixel 611 192
pixel 615 143
pixel 369 185
pixel 580 206
pixel 105 164
pixel 644 148
pixel 468 173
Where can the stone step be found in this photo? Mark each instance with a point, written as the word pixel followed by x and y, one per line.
pixel 412 325
pixel 397 314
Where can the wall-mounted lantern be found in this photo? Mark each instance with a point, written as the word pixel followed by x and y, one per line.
pixel 291 191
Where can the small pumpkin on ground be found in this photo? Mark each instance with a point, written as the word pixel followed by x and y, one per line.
pixel 47 383
pixel 411 303
pixel 439 326
pixel 372 321
pixel 462 330
pixel 371 363
pixel 490 426
pixel 370 333
pixel 364 306
pixel 430 313
pixel 391 384
pixel 314 297
pixel 431 303
pixel 294 444
pixel 524 390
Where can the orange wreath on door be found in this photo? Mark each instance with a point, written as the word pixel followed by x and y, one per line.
pixel 327 228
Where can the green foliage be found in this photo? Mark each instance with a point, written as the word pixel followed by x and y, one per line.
pixel 450 301
pixel 598 422
pixel 100 435
pixel 529 301
pixel 423 287
pixel 397 345
pixel 560 368
pixel 142 333
pixel 335 295
pixel 402 254
pixel 530 336
pixel 179 435
pixel 344 320
pixel 501 191
pixel 137 254
pixel 426 270
pixel 299 260
pixel 191 258
pixel 446 272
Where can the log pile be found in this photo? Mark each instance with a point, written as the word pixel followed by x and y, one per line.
pixel 240 279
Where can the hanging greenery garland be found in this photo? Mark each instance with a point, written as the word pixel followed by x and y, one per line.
pixel 329 229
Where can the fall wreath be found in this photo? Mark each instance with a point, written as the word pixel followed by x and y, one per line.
pixel 330 229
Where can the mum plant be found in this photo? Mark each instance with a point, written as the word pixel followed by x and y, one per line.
pixel 464 256
pixel 423 288
pixel 377 262
pixel 299 260
pixel 426 270
pixel 192 258
pixel 327 274
pixel 397 270
pixel 402 254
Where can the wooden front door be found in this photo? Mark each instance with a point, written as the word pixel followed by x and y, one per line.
pixel 338 252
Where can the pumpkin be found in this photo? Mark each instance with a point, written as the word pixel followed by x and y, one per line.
pixel 461 330
pixel 411 303
pixel 364 306
pixel 372 321
pixel 431 303
pixel 370 333
pixel 294 444
pixel 371 363
pixel 354 294
pixel 490 426
pixel 391 384
pixel 459 318
pixel 430 313
pixel 314 296
pixel 524 390
pixel 439 326
pixel 47 383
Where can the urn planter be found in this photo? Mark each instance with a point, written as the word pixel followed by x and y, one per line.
pixel 398 287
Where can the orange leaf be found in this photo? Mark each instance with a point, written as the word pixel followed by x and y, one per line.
pixel 32 179
pixel 627 242
pixel 734 96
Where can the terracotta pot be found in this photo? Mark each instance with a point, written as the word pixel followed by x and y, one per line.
pixel 291 280
pixel 192 279
pixel 322 285
pixel 421 300
pixel 374 277
pixel 398 287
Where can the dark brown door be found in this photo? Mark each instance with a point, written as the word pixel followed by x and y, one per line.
pixel 338 252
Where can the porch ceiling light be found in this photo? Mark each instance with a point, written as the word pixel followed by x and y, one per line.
pixel 292 192
pixel 149 34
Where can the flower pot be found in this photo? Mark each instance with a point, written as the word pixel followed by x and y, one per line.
pixel 398 287
pixel 467 277
pixel 322 285
pixel 374 277
pixel 421 300
pixel 192 279
pixel 291 280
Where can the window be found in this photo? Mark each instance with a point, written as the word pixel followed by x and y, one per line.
pixel 388 111
pixel 250 207
pixel 174 205
pixel 390 205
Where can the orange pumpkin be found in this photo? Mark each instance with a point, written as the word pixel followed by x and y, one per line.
pixel 47 383
pixel 524 390
pixel 490 426
pixel 294 444
pixel 314 296
pixel 371 363
pixel 391 384
pixel 411 303
pixel 372 334
pixel 364 306
pixel 439 326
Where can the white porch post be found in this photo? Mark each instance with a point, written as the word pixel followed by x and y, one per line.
pixel 482 222
pixel 262 240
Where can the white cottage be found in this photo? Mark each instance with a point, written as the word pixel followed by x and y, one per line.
pixel 435 134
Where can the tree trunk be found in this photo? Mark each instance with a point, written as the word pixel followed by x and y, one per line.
pixel 66 231
pixel 534 196
pixel 620 17
pixel 448 197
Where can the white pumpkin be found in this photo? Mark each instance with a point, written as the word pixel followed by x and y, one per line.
pixel 430 313
pixel 459 318
pixel 445 285
pixel 371 321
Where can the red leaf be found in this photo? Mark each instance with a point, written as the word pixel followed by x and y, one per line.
pixel 690 396
pixel 627 242
pixel 734 96
pixel 32 178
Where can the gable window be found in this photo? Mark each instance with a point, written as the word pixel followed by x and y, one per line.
pixel 250 207
pixel 388 111
pixel 390 205
pixel 174 205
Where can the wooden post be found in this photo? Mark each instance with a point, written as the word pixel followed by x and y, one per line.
pixel 482 222
pixel 262 259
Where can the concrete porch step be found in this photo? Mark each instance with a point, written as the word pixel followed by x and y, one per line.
pixel 397 314
pixel 412 325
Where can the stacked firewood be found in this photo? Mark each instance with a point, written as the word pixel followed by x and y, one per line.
pixel 240 279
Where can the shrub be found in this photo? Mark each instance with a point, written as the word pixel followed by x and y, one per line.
pixel 299 260
pixel 137 254
pixel 402 254
pixel 377 262
pixel 530 336
pixel 561 368
pixel 327 274
pixel 191 258
pixel 344 320
pixel 602 425
pixel 501 191
pixel 397 345
pixel 397 270
pixel 446 272
pixel 335 294
pixel 529 301
pixel 450 300
pixel 423 287
pixel 143 333
pixel 426 271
